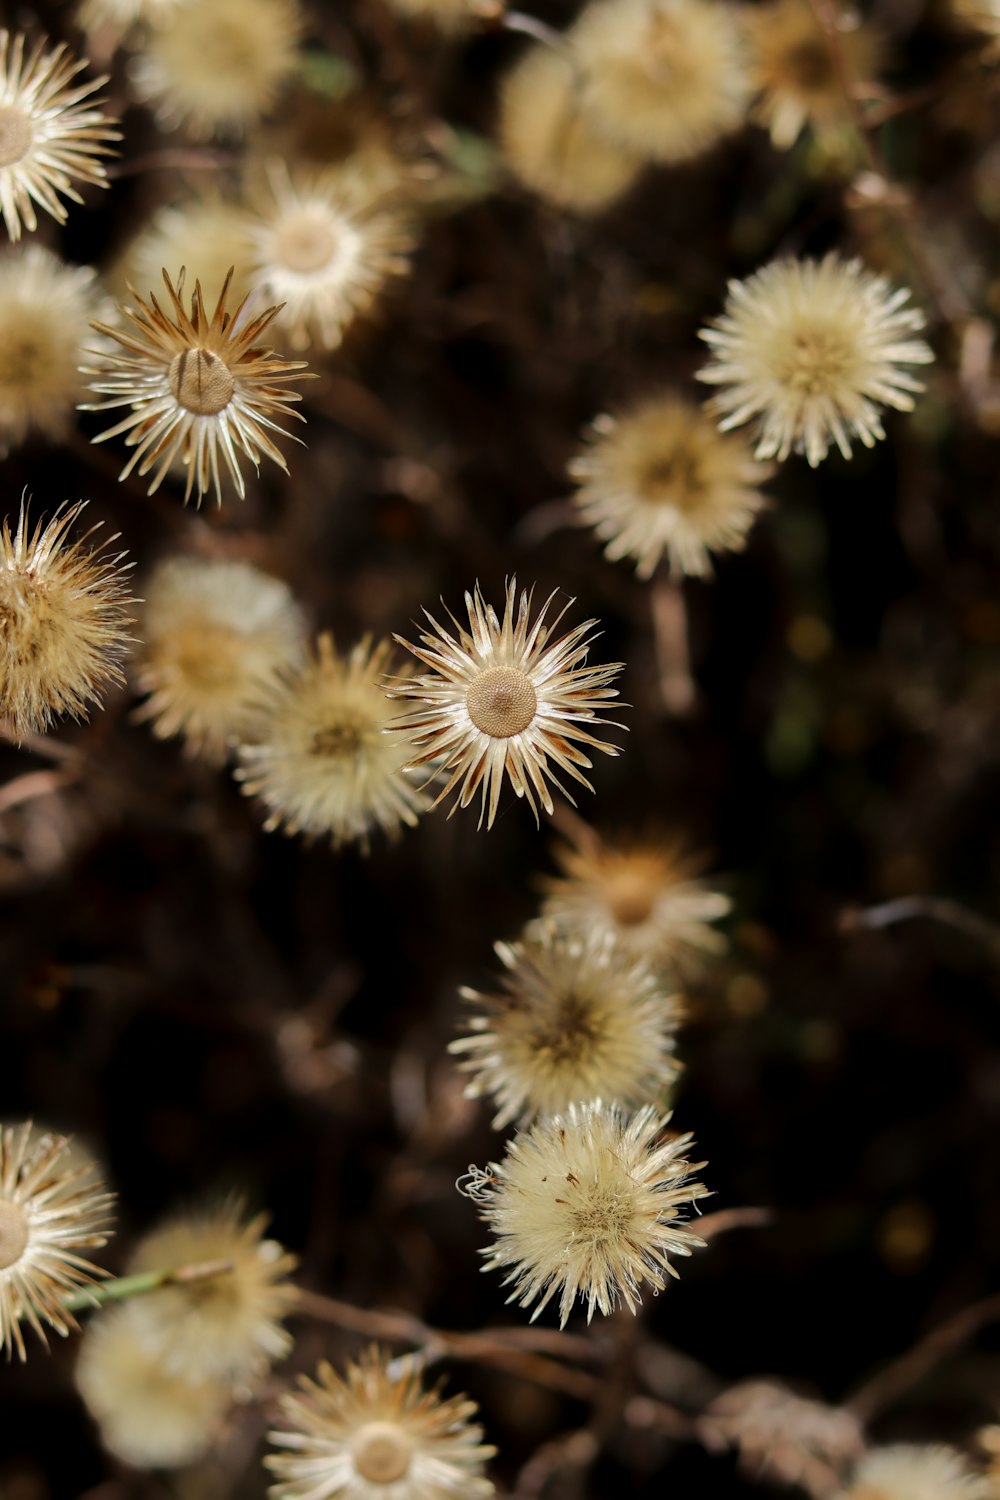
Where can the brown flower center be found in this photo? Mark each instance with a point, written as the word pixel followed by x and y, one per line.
pixel 15 135
pixel 671 479
pixel 13 1233
pixel 201 382
pixel 305 246
pixel 810 66
pixel 630 898
pixel 339 740
pixel 382 1452
pixel 501 701
pixel 816 361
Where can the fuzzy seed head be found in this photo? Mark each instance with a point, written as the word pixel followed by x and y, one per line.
pixel 910 1472
pixel 794 72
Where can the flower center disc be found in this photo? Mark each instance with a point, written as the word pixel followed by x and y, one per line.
pixel 201 382
pixel 501 702
pixel 382 1452
pixel 306 246
pixel 630 898
pixel 13 1233
pixel 15 135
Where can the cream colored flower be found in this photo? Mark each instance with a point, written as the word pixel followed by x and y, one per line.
pixel 809 350
pixel 324 245
pixel 372 1434
pixel 49 137
pixel 217 66
pixel 549 143
pixel 322 762
pixel 64 608
pixel 197 385
pixel 910 1472
pixel 663 79
pixel 218 640
pixel 52 1205
pixel 217 1328
pixel 121 15
pixel 206 234
pixel 147 1416
pixel 643 891
pixel 577 1018
pixel 794 71
pixel 661 480
pixel 500 700
pixel 587 1204
pixel 46 309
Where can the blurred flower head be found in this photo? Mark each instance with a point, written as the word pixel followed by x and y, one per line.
pixel 207 234
pixel 794 70
pixel 910 1472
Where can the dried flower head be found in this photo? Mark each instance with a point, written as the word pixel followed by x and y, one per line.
pixel 499 699
pixel 222 1327
pixel 809 350
pixel 577 1018
pixel 48 135
pixel 982 17
pixel 217 66
pixel 207 234
pixel 322 762
pixel 549 143
pixel 324 246
pixel 909 1472
pixel 664 79
pixel 662 480
pixel 794 71
pixel 52 1205
pixel 587 1204
pixel 219 638
pixel 46 309
pixel 121 15
pixel 448 15
pixel 147 1416
pixel 374 1433
pixel 783 1437
pixel 645 892
pixel 64 612
pixel 196 385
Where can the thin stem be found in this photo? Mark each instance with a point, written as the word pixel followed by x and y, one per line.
pixel 923 908
pixel 670 632
pixel 909 1368
pixel 516 20
pixel 120 1288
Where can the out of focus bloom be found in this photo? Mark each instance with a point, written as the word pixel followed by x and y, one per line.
pixel 577 1019
pixel 661 480
pixel 374 1435
pixel 207 235
pixel 324 246
pixel 226 1327
pixel 64 608
pixel 49 136
pixel 448 15
pixel 587 1204
pixel 123 14
pixel 500 700
pixel 910 1472
pixel 982 16
pixel 217 66
pixel 550 145
pixel 46 309
pixel 52 1205
pixel 782 1437
pixel 218 640
pixel 645 892
pixel 196 385
pixel 663 79
pixel 809 350
pixel 148 1416
pixel 322 762
pixel 794 71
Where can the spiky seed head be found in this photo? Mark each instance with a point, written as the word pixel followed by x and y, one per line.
pixel 906 1471
pixel 374 1433
pixel 794 72
pixel 587 1204
pixel 52 1205
pixel 808 351
pixel 503 699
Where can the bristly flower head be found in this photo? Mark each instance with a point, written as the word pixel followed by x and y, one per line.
pixel 910 1472
pixel 372 1434
pixel 503 698
pixel 661 480
pixel 196 385
pixel 794 69
pixel 218 640
pixel 587 1204
pixel 48 135
pixel 65 621
pixel 808 350
pixel 664 79
pixel 224 1327
pixel 643 891
pixel 147 1416
pixel 579 1018
pixel 324 245
pixel 52 1204
pixel 321 761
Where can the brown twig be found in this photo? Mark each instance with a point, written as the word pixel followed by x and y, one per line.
pixel 923 908
pixel 910 1367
